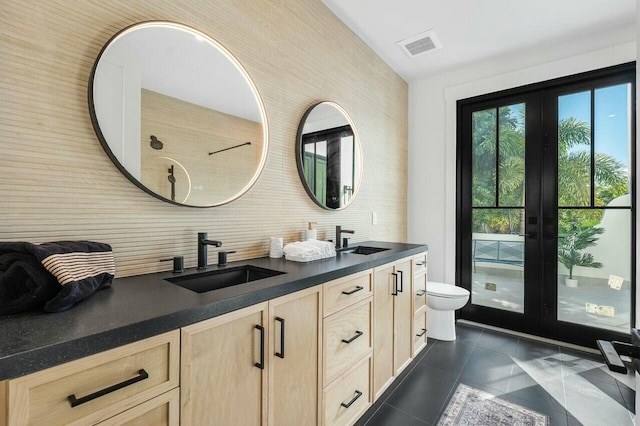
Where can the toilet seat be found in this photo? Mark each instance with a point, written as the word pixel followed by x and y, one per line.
pixel 446 290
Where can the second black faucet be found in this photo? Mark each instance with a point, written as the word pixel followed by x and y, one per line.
pixel 203 242
pixel 339 232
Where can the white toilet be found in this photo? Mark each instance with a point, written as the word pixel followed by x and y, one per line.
pixel 442 301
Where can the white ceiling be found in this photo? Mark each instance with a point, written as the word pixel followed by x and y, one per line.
pixel 475 30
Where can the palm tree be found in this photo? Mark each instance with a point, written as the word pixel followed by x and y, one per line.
pixel 574 168
pixel 574 171
pixel 569 246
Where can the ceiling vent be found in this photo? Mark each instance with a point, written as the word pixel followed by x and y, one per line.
pixel 421 43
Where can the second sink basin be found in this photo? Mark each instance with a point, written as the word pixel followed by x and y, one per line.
pixel 221 278
pixel 362 250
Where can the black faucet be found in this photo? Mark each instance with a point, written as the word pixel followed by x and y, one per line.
pixel 339 232
pixel 203 242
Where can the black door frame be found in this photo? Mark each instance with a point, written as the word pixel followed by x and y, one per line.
pixel 540 149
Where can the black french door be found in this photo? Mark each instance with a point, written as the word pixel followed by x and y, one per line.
pixel 546 208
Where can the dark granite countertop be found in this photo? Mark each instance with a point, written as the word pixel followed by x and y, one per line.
pixel 142 306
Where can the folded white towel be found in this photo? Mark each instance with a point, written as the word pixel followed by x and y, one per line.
pixel 307 251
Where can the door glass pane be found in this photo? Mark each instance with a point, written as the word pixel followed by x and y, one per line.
pixel 346 168
pixel 484 157
pixel 594 268
pixel 498 259
pixel 574 150
pixel 612 136
pixel 511 155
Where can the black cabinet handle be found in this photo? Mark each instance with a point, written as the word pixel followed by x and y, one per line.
pixel 74 402
pixel 358 334
pixel 395 284
pixel 350 403
pixel 421 293
pixel 424 330
pixel 281 353
pixel 401 281
pixel 260 364
pixel 355 290
pixel 421 263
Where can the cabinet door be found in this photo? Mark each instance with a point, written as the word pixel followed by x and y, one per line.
pixel 402 316
pixel 384 287
pixel 295 320
pixel 221 380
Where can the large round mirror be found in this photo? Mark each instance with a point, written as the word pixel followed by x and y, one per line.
pixel 329 156
pixel 178 114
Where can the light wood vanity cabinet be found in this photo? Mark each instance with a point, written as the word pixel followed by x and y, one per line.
pixel 130 382
pixel 239 369
pixel 318 356
pixel 393 318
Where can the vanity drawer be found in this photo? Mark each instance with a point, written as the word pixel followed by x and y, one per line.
pixel 420 331
pixel 419 292
pixel 343 292
pixel 420 263
pixel 349 397
pixel 103 385
pixel 163 410
pixel 347 339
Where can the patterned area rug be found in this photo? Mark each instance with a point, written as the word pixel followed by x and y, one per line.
pixel 471 406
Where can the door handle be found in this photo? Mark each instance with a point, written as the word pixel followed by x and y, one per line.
pixel 260 364
pixel 358 334
pixel 350 403
pixel 533 235
pixel 549 231
pixel 395 284
pixel 281 353
pixel 75 401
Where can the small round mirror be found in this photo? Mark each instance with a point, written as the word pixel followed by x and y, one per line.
pixel 178 114
pixel 329 156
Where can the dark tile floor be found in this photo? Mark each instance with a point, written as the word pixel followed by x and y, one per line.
pixel 570 387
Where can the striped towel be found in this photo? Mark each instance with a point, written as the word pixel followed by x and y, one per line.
pixel 80 267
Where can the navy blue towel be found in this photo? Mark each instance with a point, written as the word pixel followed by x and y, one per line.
pixel 79 267
pixel 24 283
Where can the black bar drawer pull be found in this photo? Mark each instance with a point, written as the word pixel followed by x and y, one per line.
pixel 358 334
pixel 74 402
pixel 421 293
pixel 350 403
pixel 281 353
pixel 260 364
pixel 424 330
pixel 355 290
pixel 395 284
pixel 423 263
pixel 401 281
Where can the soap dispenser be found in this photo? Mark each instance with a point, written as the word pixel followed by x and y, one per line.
pixel 311 233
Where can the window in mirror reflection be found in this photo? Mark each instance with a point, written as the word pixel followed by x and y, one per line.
pixel 328 165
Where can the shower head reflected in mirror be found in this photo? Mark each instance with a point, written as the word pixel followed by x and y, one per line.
pixel 172 181
pixel 155 143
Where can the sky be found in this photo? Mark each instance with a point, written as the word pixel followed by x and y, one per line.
pixel 611 130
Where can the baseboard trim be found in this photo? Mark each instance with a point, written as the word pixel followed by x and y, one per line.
pixel 531 336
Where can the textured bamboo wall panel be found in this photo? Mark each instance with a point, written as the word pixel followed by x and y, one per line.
pixel 57 182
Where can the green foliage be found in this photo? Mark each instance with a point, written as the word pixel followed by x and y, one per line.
pixel 570 244
pixel 574 172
